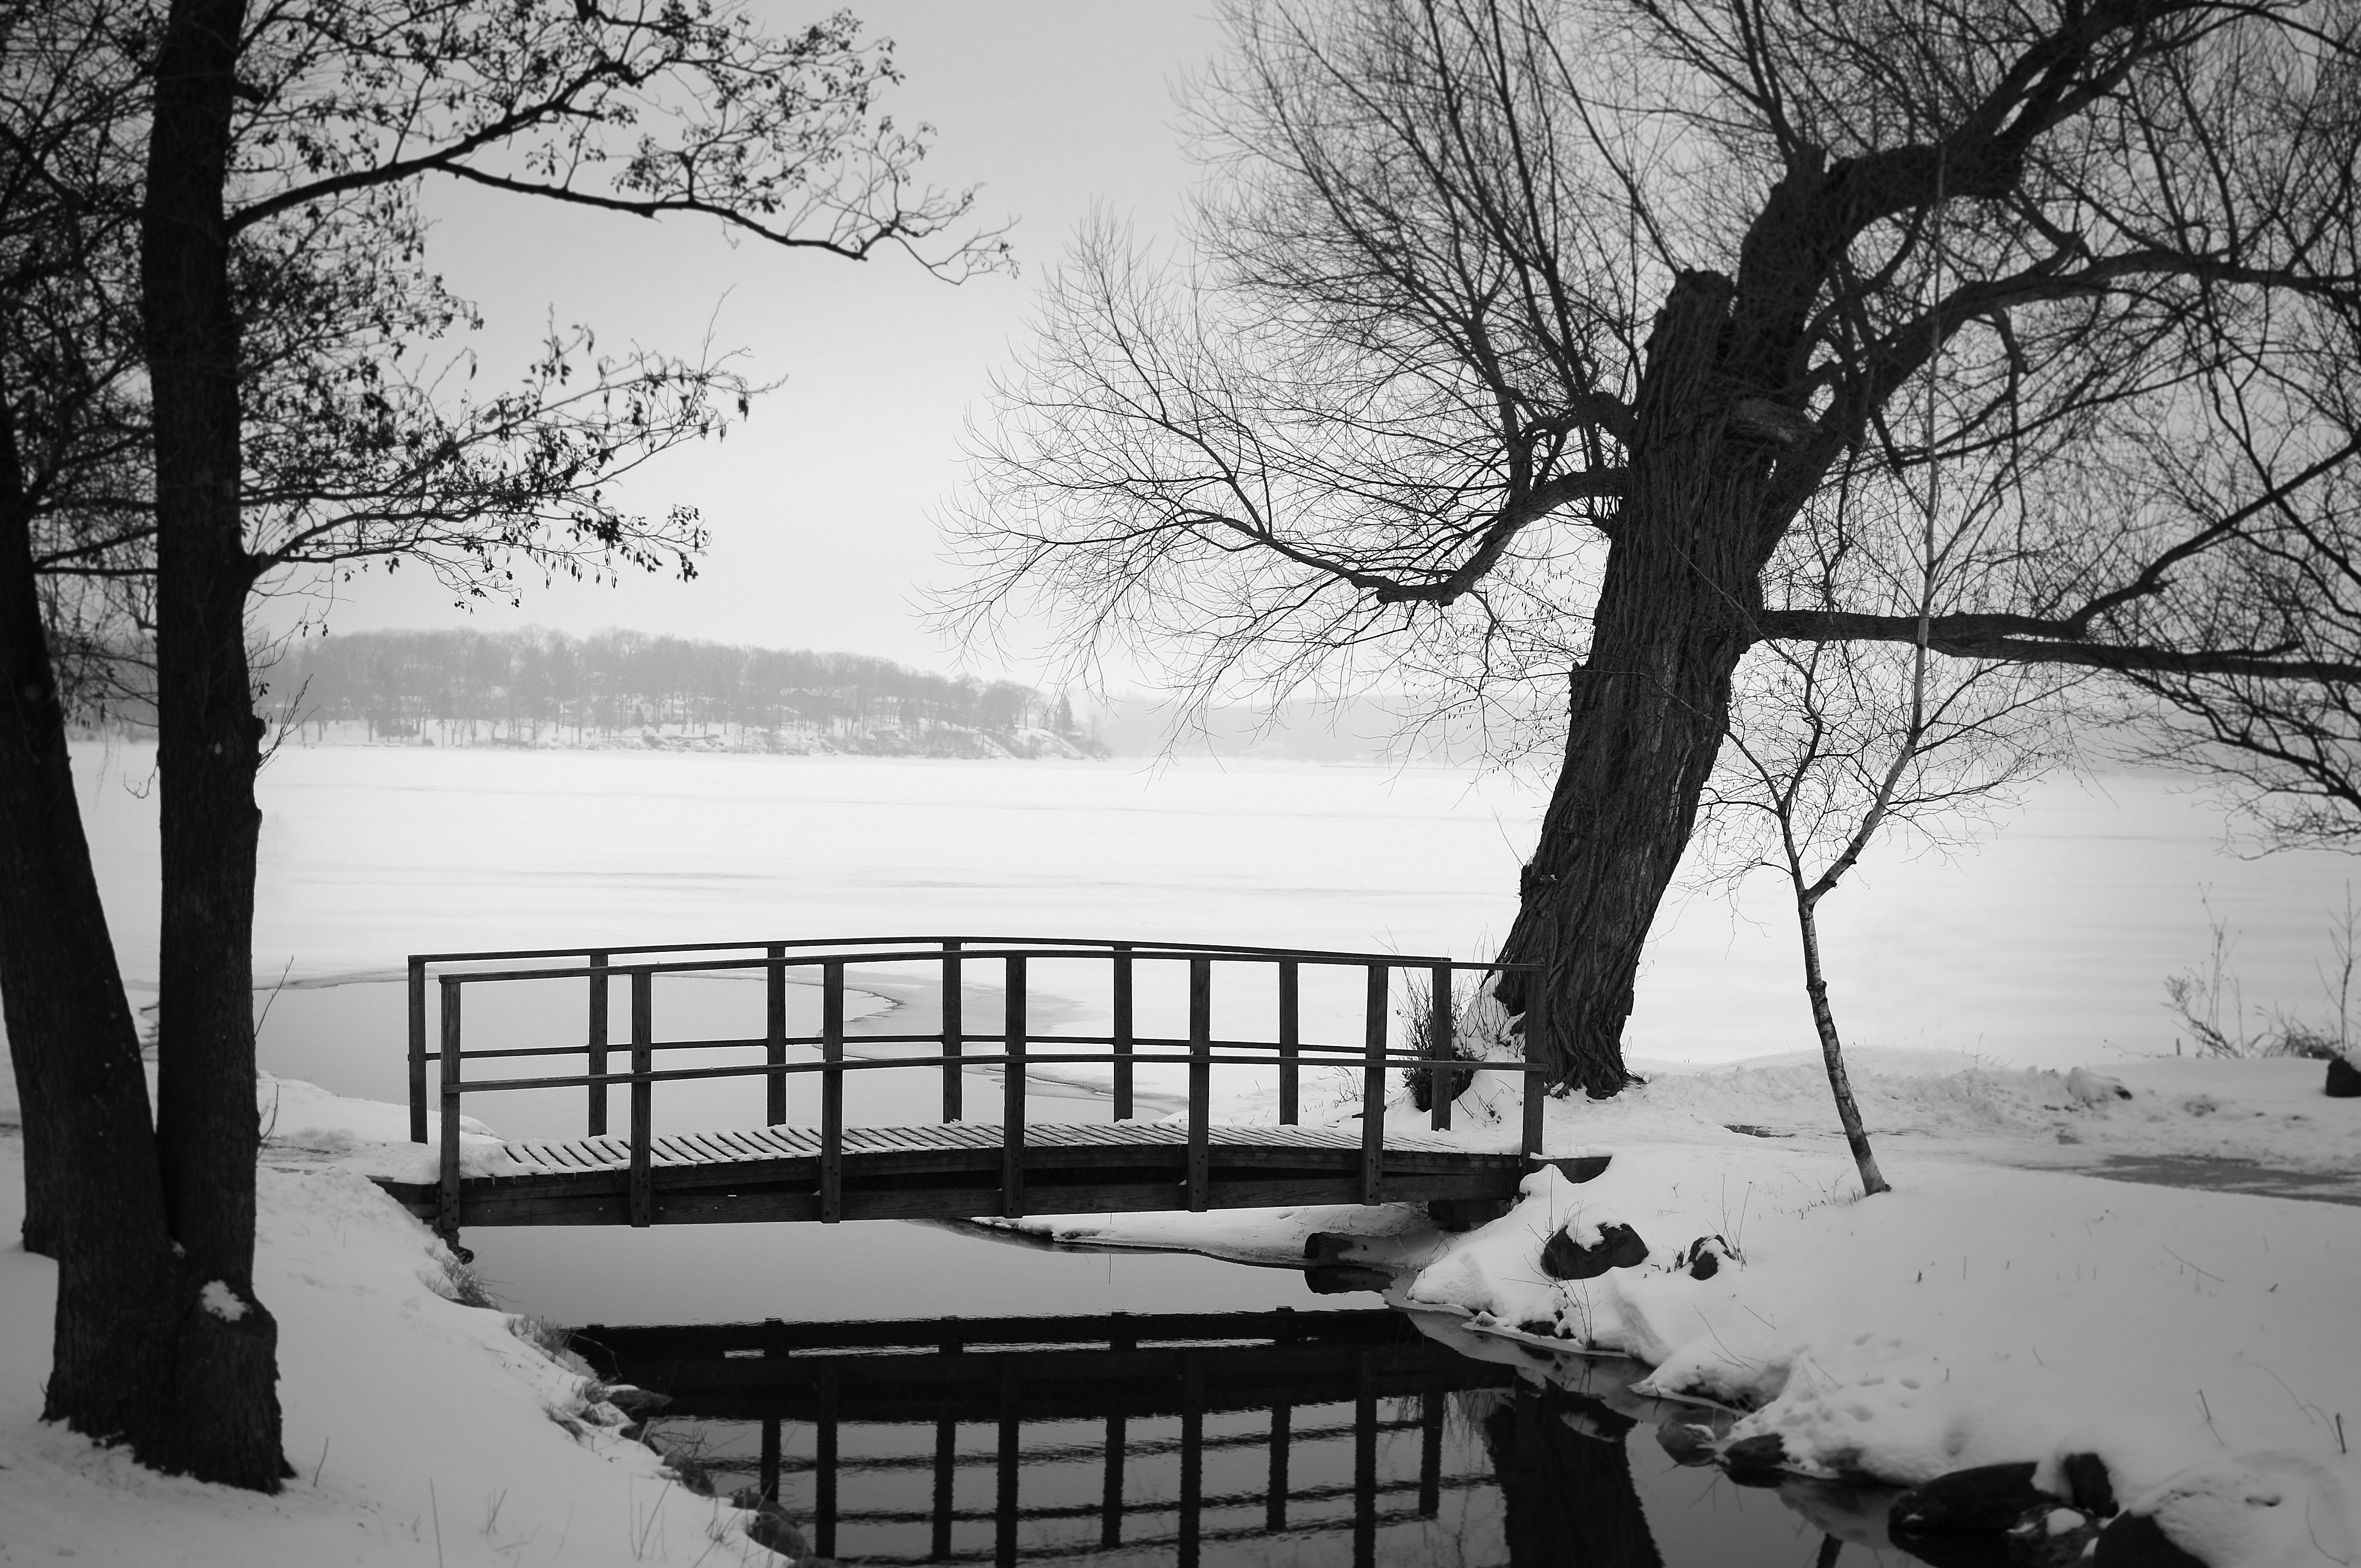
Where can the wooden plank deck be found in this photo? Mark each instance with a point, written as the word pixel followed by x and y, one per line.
pixel 955 1171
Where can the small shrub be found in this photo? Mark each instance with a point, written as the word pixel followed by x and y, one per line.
pixel 554 1341
pixel 1420 1019
pixel 463 1283
pixel 2201 999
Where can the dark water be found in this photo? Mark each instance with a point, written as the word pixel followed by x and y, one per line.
pixel 1315 1436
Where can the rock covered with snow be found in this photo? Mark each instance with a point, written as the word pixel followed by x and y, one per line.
pixel 1587 1250
pixel 2263 1509
pixel 2090 1088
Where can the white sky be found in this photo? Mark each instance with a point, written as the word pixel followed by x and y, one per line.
pixel 822 507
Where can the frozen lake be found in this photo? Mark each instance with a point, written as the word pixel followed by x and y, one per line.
pixel 2048 945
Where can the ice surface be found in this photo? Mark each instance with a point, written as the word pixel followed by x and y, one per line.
pixel 2047 946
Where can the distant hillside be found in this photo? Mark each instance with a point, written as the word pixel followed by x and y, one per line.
pixel 533 687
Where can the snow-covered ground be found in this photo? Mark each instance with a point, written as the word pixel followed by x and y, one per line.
pixel 423 1430
pixel 1995 1308
pixel 2008 1300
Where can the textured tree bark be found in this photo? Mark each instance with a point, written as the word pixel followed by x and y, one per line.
pixel 94 1201
pixel 31 750
pixel 1648 707
pixel 208 750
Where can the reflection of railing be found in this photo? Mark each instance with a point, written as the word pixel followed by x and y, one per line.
pixel 1126 1048
pixel 1119 1370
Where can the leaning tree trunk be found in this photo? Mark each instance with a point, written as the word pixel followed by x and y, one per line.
pixel 208 750
pixel 1648 707
pixel 94 1198
pixel 1824 1021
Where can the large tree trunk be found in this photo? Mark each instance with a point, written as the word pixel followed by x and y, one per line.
pixel 32 769
pixel 1648 707
pixel 94 1198
pixel 208 750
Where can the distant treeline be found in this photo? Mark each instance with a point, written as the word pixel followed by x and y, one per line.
pixel 535 686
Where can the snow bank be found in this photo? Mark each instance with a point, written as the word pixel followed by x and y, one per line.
pixel 1988 1311
pixel 2195 1341
pixel 423 1431
pixel 306 1126
pixel 2269 1109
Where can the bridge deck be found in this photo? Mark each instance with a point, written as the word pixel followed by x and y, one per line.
pixel 962 1169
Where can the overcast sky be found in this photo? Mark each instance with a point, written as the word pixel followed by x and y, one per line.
pixel 822 507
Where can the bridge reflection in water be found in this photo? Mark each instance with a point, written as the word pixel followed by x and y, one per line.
pixel 1327 1437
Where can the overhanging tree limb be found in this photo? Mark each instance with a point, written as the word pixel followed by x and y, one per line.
pixel 2036 640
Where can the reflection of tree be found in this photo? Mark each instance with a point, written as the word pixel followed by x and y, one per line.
pixel 1565 1478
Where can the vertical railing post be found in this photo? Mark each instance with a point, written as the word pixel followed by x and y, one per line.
pixel 1012 1431
pixel 1122 1031
pixel 1440 1047
pixel 1201 1084
pixel 417 1050
pixel 1012 1095
pixel 1430 1454
pixel 1274 1505
pixel 824 1464
pixel 832 1091
pixel 1365 1463
pixel 1291 1026
pixel 768 1481
pixel 595 1037
pixel 447 1207
pixel 954 1033
pixel 946 1476
pixel 1536 1067
pixel 774 1036
pixel 1111 1485
pixel 1192 1454
pixel 1372 1088
pixel 643 1091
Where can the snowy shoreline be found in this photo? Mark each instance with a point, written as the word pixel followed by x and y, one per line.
pixel 1992 1310
pixel 1995 1310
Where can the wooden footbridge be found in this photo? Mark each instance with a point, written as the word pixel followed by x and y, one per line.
pixel 767 1169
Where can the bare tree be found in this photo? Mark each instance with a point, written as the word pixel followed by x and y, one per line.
pixel 1518 336
pixel 260 171
pixel 1835 746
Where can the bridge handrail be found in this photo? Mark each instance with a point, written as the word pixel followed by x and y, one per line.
pixel 747 1041
pixel 1405 1059
pixel 1126 1049
pixel 1242 949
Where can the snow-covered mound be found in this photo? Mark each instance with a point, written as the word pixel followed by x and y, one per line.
pixel 1995 1308
pixel 422 1430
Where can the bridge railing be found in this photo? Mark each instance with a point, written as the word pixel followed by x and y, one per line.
pixel 1020 1047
